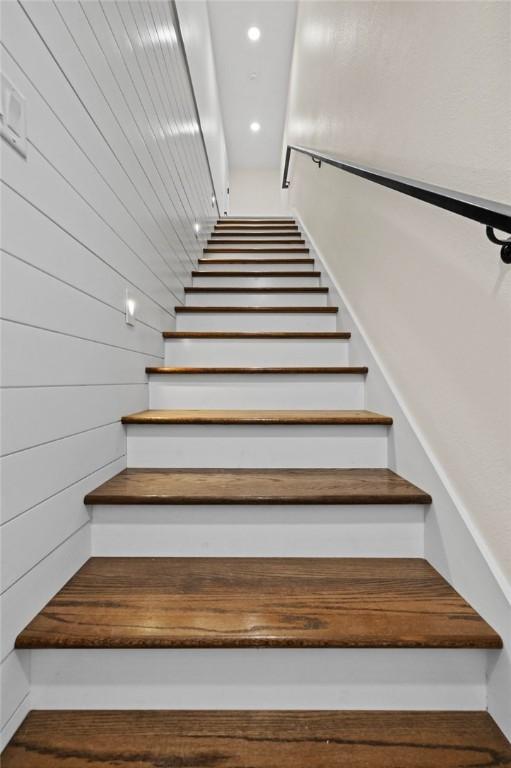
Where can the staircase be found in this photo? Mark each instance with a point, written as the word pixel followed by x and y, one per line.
pixel 257 595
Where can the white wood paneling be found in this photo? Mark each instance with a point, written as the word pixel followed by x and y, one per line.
pixel 106 201
pixel 53 466
pixel 57 412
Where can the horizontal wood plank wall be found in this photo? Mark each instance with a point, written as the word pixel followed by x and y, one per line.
pixel 106 201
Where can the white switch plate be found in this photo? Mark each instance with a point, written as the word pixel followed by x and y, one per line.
pixel 13 119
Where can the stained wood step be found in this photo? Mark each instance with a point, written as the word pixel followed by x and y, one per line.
pixel 257 486
pixel 344 369
pixel 264 234
pixel 257 739
pixel 256 242
pixel 254 273
pixel 256 261
pixel 255 417
pixel 284 251
pixel 248 289
pixel 139 602
pixel 256 220
pixel 262 227
pixel 279 309
pixel 256 335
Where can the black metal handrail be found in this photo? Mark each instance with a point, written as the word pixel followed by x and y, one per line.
pixel 492 214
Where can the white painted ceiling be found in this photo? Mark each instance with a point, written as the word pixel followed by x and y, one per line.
pixel 244 98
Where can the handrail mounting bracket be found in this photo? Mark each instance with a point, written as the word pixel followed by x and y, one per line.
pixel 505 251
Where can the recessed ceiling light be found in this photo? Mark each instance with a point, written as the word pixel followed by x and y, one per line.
pixel 254 33
pixel 255 127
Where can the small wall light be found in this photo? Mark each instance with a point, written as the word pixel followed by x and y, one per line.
pixel 254 33
pixel 255 127
pixel 130 306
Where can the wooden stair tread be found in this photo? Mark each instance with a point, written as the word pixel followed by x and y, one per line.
pixel 254 273
pixel 257 486
pixel 226 249
pixel 279 309
pixel 248 289
pixel 225 416
pixel 144 602
pixel 255 227
pixel 256 242
pixel 256 261
pixel 257 739
pixel 256 334
pixel 339 369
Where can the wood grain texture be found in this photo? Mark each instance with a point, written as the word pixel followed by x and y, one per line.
pixel 254 273
pixel 257 486
pixel 255 227
pixel 255 250
pixel 256 220
pixel 260 233
pixel 257 739
pixel 256 335
pixel 280 309
pixel 345 369
pixel 232 241
pixel 255 417
pixel 200 602
pixel 245 289
pixel 255 262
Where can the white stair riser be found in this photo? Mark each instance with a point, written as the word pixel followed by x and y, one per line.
pixel 304 530
pixel 256 299
pixel 259 679
pixel 237 445
pixel 256 352
pixel 256 282
pixel 256 321
pixel 249 391
pixel 284 267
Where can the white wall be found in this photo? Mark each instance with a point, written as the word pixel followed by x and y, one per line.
pixel 257 193
pixel 418 89
pixel 105 201
pixel 195 28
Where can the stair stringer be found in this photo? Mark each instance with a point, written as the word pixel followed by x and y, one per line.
pixel 452 543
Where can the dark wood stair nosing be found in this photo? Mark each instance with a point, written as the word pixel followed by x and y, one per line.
pixel 329 335
pixel 255 274
pixel 292 370
pixel 256 261
pixel 248 289
pixel 268 310
pixel 255 242
pixel 283 251
pixel 225 417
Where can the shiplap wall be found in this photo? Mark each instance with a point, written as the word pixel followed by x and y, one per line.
pixel 115 178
